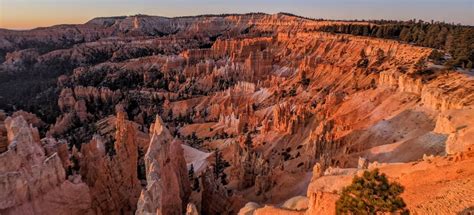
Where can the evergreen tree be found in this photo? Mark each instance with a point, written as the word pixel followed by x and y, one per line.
pixel 293 91
pixel 304 80
pixel 248 141
pixel 219 167
pixel 371 194
pixel 365 31
pixel 379 33
pixel 193 179
pixel 191 172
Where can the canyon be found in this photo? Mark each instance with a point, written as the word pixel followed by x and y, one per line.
pixel 225 114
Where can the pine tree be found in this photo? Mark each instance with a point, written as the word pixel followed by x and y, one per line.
pixel 304 80
pixel 191 172
pixel 365 31
pixel 248 141
pixel 192 178
pixel 219 167
pixel 379 33
pixel 371 194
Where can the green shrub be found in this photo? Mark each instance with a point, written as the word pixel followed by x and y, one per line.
pixel 371 194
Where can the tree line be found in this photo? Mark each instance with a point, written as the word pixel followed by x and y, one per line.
pixel 455 40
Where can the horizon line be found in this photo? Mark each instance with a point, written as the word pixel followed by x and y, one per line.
pixel 232 14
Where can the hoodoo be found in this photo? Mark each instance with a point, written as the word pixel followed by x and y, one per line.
pixel 235 114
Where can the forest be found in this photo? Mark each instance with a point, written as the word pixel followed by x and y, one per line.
pixel 455 40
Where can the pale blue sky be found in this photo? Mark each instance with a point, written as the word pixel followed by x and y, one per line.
pixel 34 13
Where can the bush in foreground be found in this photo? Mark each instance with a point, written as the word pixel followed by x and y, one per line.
pixel 371 194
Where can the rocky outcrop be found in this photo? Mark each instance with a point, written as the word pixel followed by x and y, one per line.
pixel 459 128
pixel 287 117
pixel 33 181
pixel 215 198
pixel 321 203
pixel 191 209
pixel 452 91
pixel 249 208
pixel 168 186
pixel 241 49
pixel 18 60
pixel 403 82
pixel 30 118
pixel 298 203
pixel 258 64
pixel 441 93
pixel 108 165
pixel 253 170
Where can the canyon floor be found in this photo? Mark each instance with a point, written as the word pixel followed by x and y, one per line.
pixel 225 114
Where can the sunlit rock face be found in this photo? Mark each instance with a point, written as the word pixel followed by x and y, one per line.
pixel 231 114
pixel 168 187
pixel 111 171
pixel 34 180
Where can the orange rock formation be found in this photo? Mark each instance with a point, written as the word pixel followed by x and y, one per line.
pixel 247 114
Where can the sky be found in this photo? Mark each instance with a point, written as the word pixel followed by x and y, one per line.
pixel 26 14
